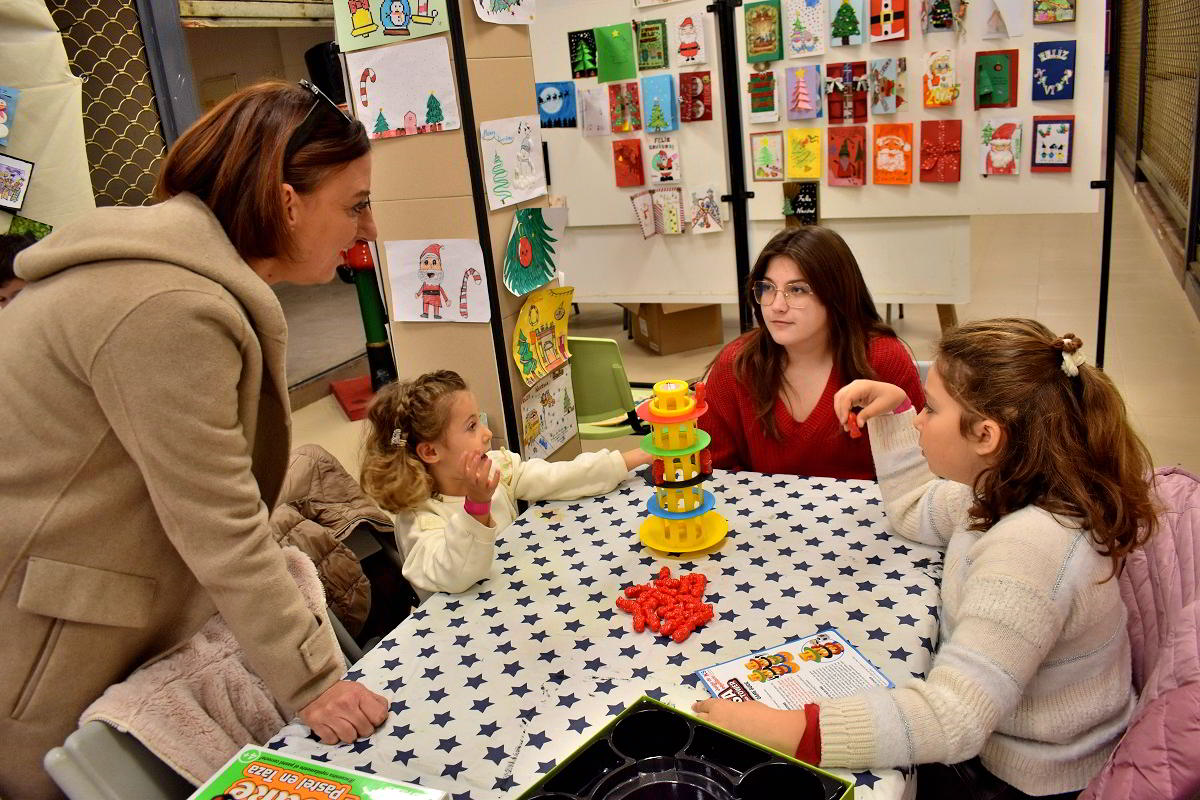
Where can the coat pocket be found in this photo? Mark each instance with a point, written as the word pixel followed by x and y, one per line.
pixel 39 666
pixel 91 595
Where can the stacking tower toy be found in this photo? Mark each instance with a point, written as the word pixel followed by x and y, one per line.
pixel 682 519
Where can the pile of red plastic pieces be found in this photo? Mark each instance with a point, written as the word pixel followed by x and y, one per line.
pixel 668 606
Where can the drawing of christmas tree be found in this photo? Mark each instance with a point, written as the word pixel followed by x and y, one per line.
pixel 502 5
pixel 528 260
pixel 433 110
pixel 765 159
pixel 500 181
pixel 381 124
pixel 568 404
pixel 845 23
pixel 584 57
pixel 801 101
pixel 941 16
pixel 987 132
pixel 657 121
pixel 525 354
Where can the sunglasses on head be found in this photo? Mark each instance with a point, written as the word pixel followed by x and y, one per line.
pixel 321 104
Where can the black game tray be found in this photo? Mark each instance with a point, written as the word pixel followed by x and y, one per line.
pixel 650 751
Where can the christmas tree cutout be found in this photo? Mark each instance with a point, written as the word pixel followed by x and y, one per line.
pixel 381 124
pixel 433 111
pixel 500 181
pixel 528 261
pixel 801 99
pixel 845 24
pixel 766 160
pixel 584 61
pixel 657 121
pixel 941 16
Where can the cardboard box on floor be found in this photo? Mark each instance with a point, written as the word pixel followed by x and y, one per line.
pixel 666 328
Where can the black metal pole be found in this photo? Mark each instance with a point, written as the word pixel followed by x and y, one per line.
pixel 474 164
pixel 1110 153
pixel 724 11
pixel 1192 236
pixel 1144 46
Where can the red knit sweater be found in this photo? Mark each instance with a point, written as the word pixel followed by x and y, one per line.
pixel 816 446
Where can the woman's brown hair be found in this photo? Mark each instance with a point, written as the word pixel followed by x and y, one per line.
pixel 1066 446
pixel 402 415
pixel 829 268
pixel 232 158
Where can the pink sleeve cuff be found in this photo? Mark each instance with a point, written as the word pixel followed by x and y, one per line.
pixel 905 406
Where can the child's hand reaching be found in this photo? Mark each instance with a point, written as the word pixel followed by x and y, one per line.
pixel 781 730
pixel 873 397
pixel 477 475
pixel 636 458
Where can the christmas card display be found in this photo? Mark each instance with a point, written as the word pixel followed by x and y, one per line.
pixel 540 338
pixel 764 97
pixel 627 162
pixel 1052 140
pixel 582 47
pixel 804 27
pixel 847 155
pixel 614 53
pixel 504 12
pixel 705 213
pixel 1000 147
pixel 356 27
pixel 846 91
pixel 687 40
pixel 939 84
pixel 548 415
pixel 804 153
pixel 424 274
pixel 695 96
pixel 893 153
pixel 996 78
pixel 1054 70
pixel 939 15
pixel 1048 11
pixel 846 26
pixel 889 20
pixel 529 256
pixel 941 150
pixel 556 104
pixel 651 43
pixel 624 107
pixel 665 167
pixel 804 91
pixel 801 203
pixel 14 181
pixel 405 91
pixel 513 168
pixel 766 153
pixel 8 111
pixel 1006 19
pixel 643 209
pixel 593 111
pixel 888 77
pixel 658 104
pixel 763 39
pixel 668 211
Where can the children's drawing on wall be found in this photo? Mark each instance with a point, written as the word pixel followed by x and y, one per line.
pixel 360 24
pixel 1048 11
pixel 1052 140
pixel 668 211
pixel 763 40
pixel 627 162
pixel 14 181
pixel 941 150
pixel 658 104
pixel 593 111
pixel 846 26
pixel 512 160
pixel 846 87
pixel 8 111
pixel 506 12
pixel 529 257
pixel 887 78
pixel 615 58
pixel 939 83
pixel 1005 19
pixel 665 166
pixel 582 47
pixel 624 107
pixel 687 45
pixel 766 152
pixel 548 415
pixel 405 91
pixel 556 104
pixel 695 96
pixel 643 211
pixel 847 155
pixel 1000 147
pixel 804 27
pixel 1054 70
pixel 889 20
pixel 893 153
pixel 437 281
pixel 764 97
pixel 801 202
pixel 705 215
pixel 941 15
pixel 651 43
pixel 540 337
pixel 804 153
pixel 804 92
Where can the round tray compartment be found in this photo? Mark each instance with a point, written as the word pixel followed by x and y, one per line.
pixel 780 779
pixel 650 732
pixel 666 778
pixel 587 768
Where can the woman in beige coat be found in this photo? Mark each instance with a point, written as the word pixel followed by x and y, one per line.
pixel 145 420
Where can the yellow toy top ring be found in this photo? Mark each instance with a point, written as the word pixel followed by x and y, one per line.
pixel 671 399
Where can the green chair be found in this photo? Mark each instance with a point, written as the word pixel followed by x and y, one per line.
pixel 605 401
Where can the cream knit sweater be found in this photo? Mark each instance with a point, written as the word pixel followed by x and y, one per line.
pixel 1033 670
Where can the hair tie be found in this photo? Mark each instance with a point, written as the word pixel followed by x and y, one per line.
pixel 398 438
pixel 1072 361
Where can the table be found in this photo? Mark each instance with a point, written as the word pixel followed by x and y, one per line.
pixel 489 688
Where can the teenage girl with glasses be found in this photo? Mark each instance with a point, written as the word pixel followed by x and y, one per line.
pixel 770 392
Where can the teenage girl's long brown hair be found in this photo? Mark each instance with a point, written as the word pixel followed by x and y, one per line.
pixel 1066 447
pixel 829 268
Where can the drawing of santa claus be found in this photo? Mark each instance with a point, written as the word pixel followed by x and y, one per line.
pixel 1000 157
pixel 689 42
pixel 891 154
pixel 431 273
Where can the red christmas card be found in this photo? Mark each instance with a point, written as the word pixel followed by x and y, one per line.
pixel 695 96
pixel 627 162
pixel 941 150
pixel 889 20
pixel 624 107
pixel 846 88
pixel 893 153
pixel 848 155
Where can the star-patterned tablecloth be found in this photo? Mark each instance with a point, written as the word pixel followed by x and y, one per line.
pixel 489 688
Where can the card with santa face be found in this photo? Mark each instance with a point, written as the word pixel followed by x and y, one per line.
pixel 805 24
pixel 804 92
pixel 766 153
pixel 687 44
pixel 1054 70
pixel 663 157
pixel 624 107
pixel 437 280
pixel 1000 147
pixel 1052 141
pixel 846 92
pixel 627 162
pixel 893 153
pixel 801 202
pixel 941 150
pixel 939 84
pixel 889 19
pixel 804 153
pixel 996 78
pixel 888 77
pixel 848 155
pixel 695 96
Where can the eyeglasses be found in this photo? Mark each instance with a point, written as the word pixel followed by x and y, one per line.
pixel 303 131
pixel 796 295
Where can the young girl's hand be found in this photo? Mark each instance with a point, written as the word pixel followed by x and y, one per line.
pixel 781 730
pixel 477 473
pixel 873 397
pixel 636 458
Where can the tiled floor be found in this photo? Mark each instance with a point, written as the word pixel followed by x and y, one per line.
pixel 1041 266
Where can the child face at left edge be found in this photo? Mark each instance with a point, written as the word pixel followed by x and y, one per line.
pixel 465 431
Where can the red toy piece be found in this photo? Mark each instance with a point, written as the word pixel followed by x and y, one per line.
pixel 706 460
pixel 852 421
pixel 667 606
pixel 698 393
pixel 658 470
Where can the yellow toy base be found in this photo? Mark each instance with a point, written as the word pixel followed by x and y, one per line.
pixel 654 533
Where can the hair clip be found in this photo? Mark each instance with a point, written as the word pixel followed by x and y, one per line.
pixel 398 438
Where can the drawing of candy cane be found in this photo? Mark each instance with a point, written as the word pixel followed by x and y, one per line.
pixel 462 295
pixel 368 74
